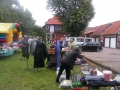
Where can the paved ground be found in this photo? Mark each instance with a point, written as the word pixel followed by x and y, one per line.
pixel 108 57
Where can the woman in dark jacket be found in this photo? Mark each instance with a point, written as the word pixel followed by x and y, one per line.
pixel 68 63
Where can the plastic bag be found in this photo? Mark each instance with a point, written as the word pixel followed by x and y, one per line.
pixel 117 78
pixel 57 71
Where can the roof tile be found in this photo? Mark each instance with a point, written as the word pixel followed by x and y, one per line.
pixel 99 29
pixel 113 29
pixel 91 30
pixel 54 20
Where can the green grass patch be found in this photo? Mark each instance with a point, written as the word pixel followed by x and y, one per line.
pixel 14 76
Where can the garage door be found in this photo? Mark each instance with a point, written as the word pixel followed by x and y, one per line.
pixel 97 39
pixel 113 43
pixel 106 42
pixel 93 39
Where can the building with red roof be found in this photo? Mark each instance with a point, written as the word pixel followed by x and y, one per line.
pixel 98 33
pixel 89 32
pixel 108 34
pixel 112 35
pixel 53 21
pixel 53 29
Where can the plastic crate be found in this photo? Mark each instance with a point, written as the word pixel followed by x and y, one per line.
pixel 76 77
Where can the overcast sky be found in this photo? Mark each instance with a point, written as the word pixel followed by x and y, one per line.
pixel 105 11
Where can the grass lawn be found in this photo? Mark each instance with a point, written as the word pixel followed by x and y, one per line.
pixel 14 76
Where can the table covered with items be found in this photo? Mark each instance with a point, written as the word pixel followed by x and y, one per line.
pixel 53 56
pixel 15 46
pixel 90 79
pixel 6 52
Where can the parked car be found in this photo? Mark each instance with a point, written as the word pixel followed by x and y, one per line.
pixel 81 40
pixel 90 46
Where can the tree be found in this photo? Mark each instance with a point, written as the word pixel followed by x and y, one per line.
pixel 27 22
pixel 12 12
pixel 39 31
pixel 74 14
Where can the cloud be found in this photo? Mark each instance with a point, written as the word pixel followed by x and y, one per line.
pixel 38 10
pixel 106 11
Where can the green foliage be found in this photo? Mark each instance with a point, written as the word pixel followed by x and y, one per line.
pixel 74 14
pixel 12 12
pixel 39 31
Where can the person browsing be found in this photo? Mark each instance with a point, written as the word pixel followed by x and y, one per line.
pixel 65 41
pixel 68 62
pixel 71 45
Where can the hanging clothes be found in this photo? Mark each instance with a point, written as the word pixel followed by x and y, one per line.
pixel 25 48
pixel 30 45
pixel 33 44
pixel 40 54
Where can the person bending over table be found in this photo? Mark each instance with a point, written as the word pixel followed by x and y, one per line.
pixel 68 62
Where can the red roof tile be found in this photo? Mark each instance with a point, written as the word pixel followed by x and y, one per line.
pixel 99 30
pixel 91 30
pixel 88 32
pixel 54 20
pixel 113 29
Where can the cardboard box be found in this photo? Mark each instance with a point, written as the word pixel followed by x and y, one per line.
pixel 84 88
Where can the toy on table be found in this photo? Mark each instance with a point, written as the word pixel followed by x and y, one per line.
pixel 77 85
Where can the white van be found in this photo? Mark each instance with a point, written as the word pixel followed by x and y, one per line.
pixel 81 40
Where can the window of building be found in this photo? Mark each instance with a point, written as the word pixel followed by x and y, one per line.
pixel 57 27
pixel 47 26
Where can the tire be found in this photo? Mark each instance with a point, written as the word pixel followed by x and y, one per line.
pixel 101 48
pixel 98 50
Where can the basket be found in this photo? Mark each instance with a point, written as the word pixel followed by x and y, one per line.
pixel 76 76
pixel 51 51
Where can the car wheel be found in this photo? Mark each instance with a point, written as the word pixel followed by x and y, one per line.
pixel 101 48
pixel 98 50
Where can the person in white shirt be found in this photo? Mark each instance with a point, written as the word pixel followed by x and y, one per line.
pixel 65 41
